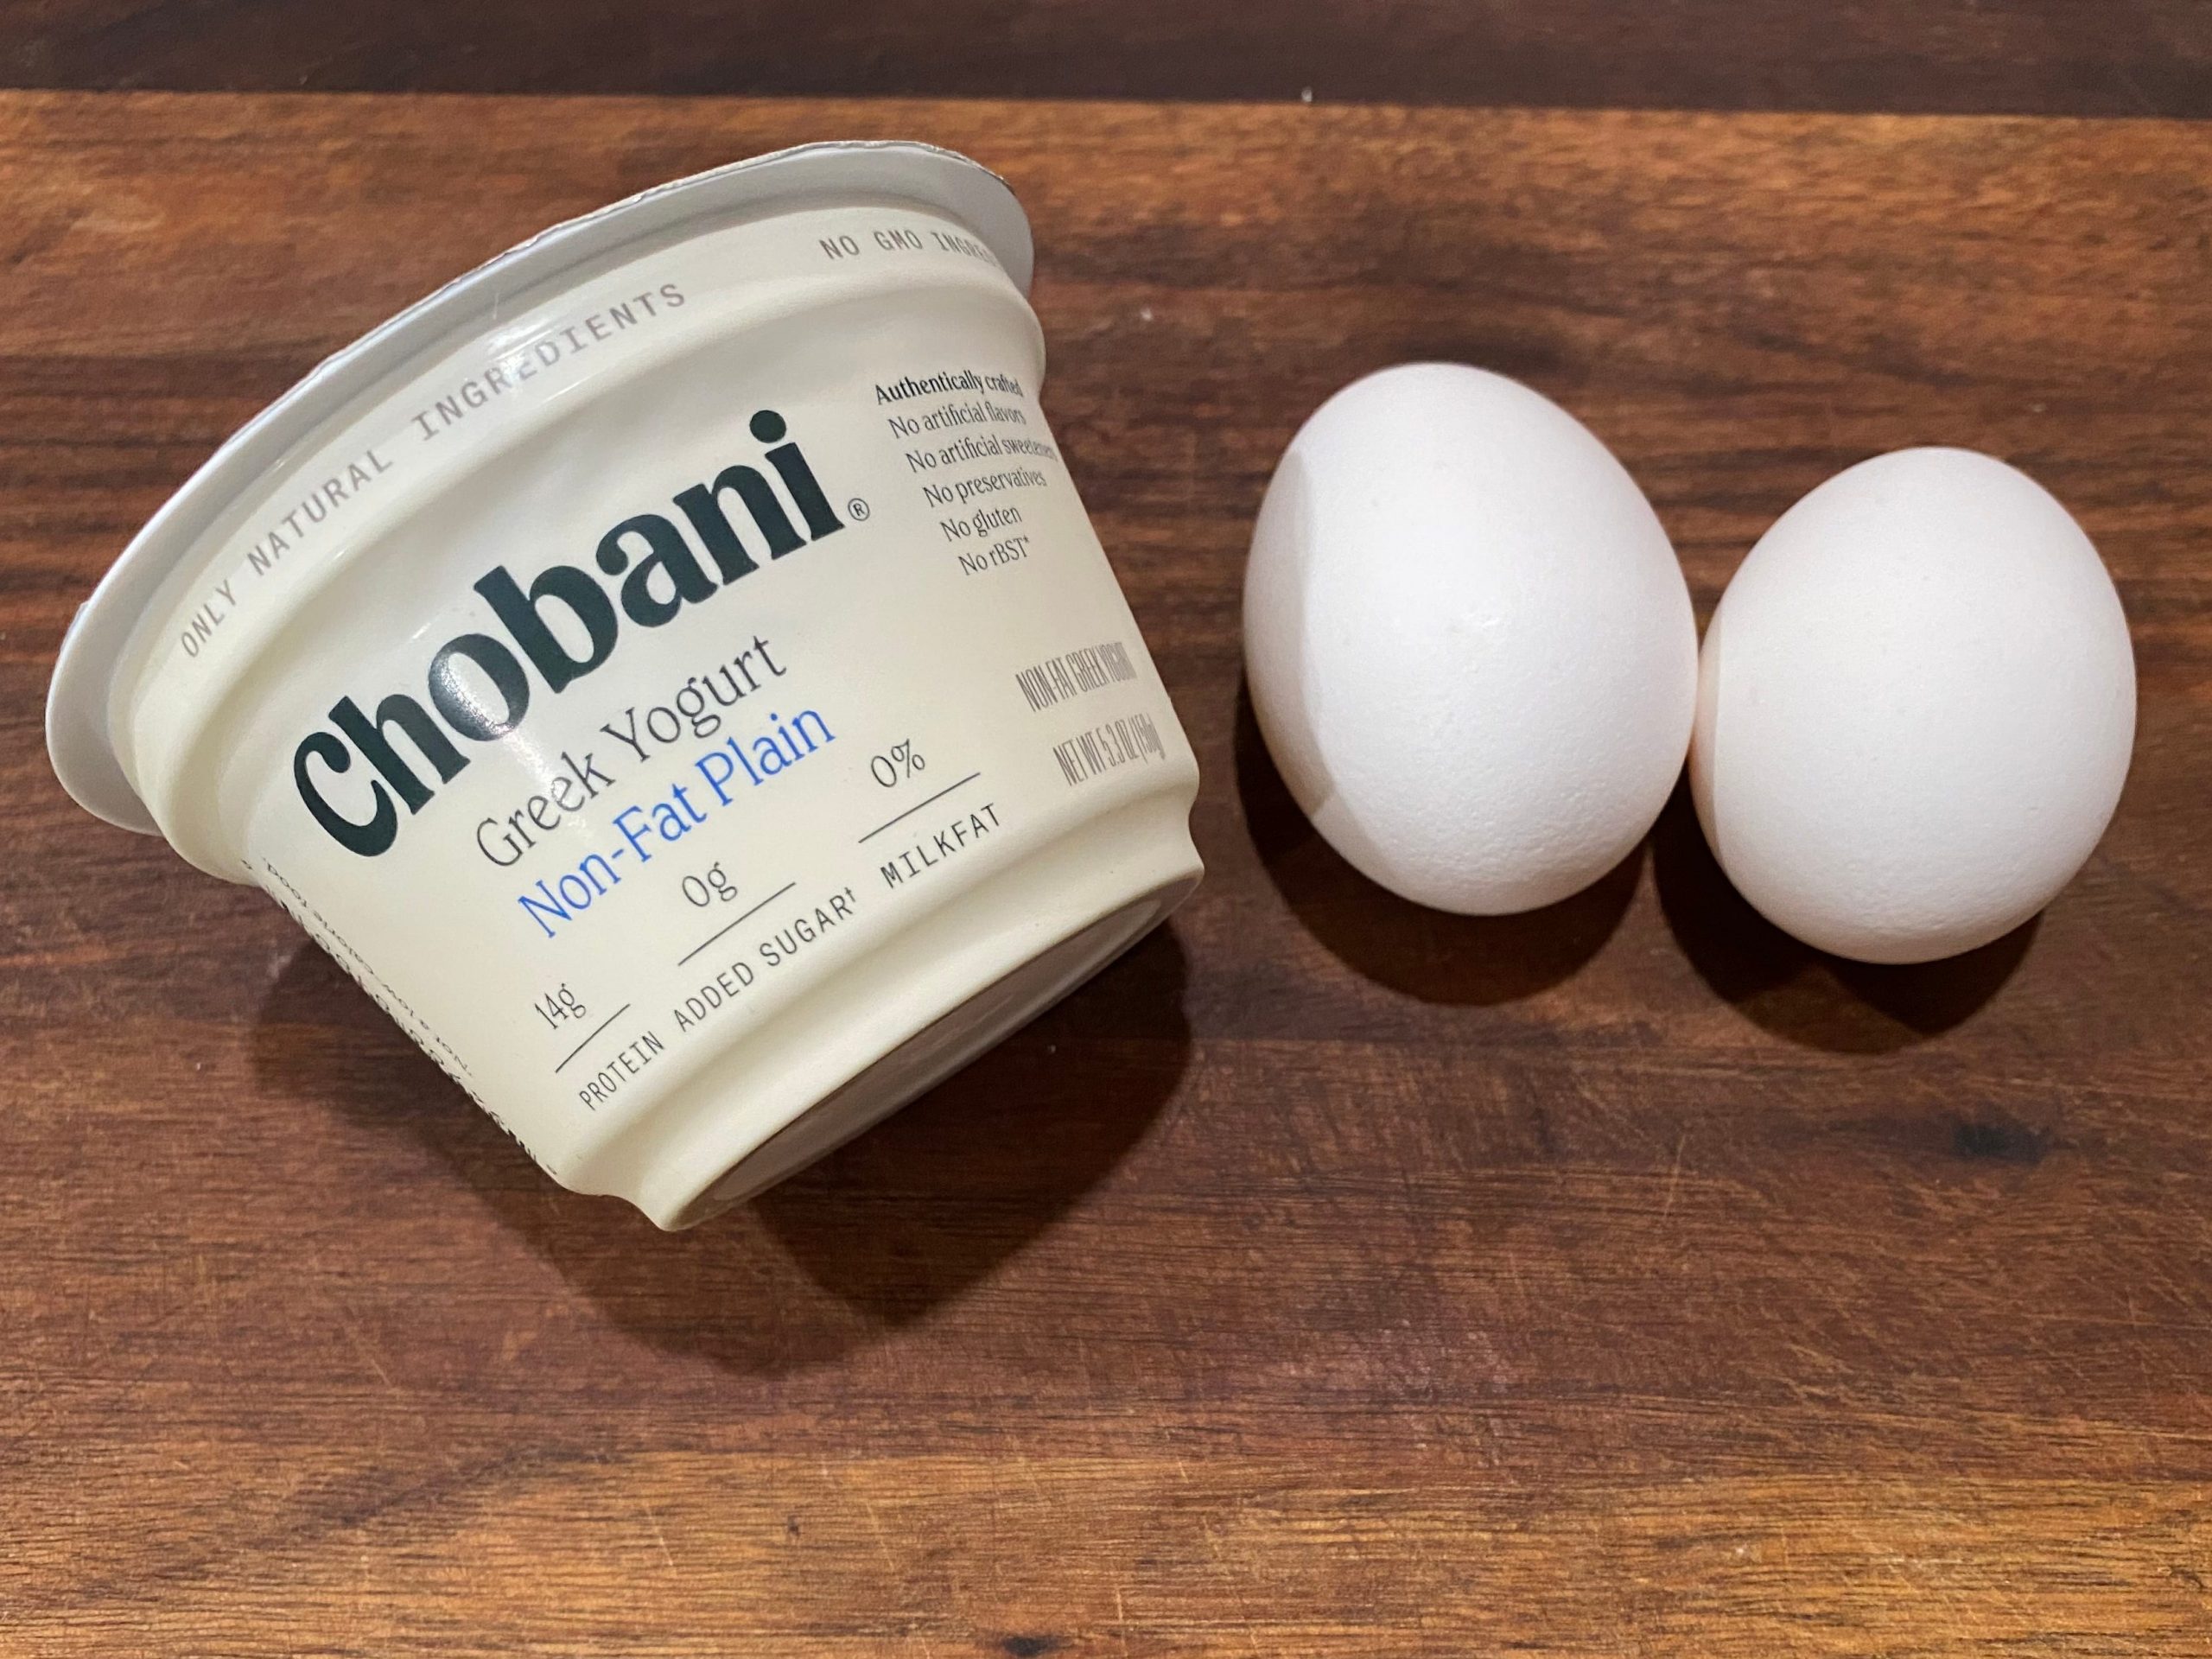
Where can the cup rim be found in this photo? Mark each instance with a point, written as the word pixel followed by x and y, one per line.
pixel 79 738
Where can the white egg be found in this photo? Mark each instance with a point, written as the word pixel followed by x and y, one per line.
pixel 1916 706
pixel 1469 647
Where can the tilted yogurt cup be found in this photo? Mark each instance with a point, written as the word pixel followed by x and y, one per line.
pixel 670 669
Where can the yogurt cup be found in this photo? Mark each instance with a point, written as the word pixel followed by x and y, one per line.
pixel 670 668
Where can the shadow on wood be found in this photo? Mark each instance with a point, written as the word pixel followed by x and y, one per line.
pixel 1430 954
pixel 882 1232
pixel 934 1199
pixel 1794 991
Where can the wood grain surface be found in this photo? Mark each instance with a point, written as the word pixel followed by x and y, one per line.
pixel 1331 1277
pixel 2061 57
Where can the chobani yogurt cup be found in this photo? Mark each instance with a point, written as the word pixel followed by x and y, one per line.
pixel 670 669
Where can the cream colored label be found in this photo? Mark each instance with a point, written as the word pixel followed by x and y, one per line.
pixel 621 735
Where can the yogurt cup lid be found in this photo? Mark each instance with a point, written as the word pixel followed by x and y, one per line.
pixel 78 737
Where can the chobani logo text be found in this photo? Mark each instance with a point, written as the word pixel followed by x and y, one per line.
pixel 478 687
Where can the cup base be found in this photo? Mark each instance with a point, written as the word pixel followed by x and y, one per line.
pixel 917 1011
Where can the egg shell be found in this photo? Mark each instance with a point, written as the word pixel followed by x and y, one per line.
pixel 1916 703
pixel 1469 647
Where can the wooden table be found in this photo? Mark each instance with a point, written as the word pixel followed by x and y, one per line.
pixel 1330 1278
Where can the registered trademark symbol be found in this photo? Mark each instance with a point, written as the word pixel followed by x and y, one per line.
pixel 856 509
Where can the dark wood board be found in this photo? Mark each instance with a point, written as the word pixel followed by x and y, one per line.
pixel 2053 57
pixel 1330 1277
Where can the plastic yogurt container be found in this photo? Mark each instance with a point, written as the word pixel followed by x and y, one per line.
pixel 670 669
